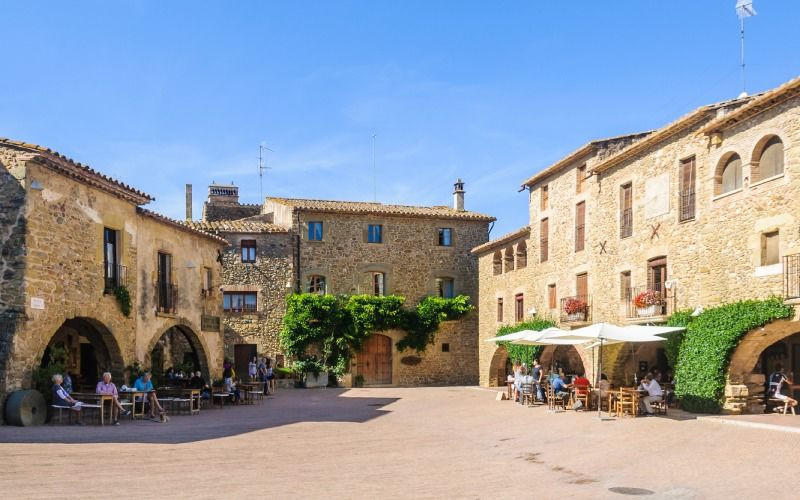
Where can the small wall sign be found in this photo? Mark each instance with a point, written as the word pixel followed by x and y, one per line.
pixel 37 303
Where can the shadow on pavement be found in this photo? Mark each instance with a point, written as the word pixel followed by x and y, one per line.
pixel 287 407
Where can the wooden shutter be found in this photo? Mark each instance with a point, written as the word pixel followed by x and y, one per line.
pixel 580 226
pixel 551 296
pixel 687 195
pixel 543 240
pixel 624 285
pixel 582 285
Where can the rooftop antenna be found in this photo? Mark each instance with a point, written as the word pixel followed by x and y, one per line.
pixel 261 168
pixel 744 9
pixel 374 171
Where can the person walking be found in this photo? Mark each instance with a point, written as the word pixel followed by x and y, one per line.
pixel 252 369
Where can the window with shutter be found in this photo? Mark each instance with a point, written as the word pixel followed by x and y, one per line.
pixel 626 210
pixel 687 198
pixel 545 197
pixel 582 285
pixel 770 162
pixel 552 298
pixel 580 226
pixel 625 285
pixel 543 243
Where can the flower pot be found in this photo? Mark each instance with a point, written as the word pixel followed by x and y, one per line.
pixel 311 381
pixel 646 312
pixel 578 316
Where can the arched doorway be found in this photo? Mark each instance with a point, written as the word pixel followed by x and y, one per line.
pixel 180 348
pixel 566 358
pixel 374 362
pixel 85 348
pixel 756 356
pixel 499 367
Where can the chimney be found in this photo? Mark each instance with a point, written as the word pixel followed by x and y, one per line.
pixel 188 202
pixel 458 196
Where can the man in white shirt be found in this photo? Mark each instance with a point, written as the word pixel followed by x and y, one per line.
pixel 654 393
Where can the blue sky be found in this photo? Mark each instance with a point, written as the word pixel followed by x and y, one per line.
pixel 159 94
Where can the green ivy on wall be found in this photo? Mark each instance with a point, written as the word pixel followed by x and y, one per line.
pixel 705 350
pixel 339 324
pixel 123 299
pixel 524 353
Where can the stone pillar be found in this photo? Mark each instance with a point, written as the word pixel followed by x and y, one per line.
pixel 188 202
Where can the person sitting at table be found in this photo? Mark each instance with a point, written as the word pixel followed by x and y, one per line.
pixel 778 384
pixel 62 398
pixel 604 385
pixel 197 382
pixel 561 389
pixel 107 387
pixel 519 376
pixel 144 384
pixel 654 393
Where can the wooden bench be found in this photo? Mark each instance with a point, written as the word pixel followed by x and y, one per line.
pixel 776 403
pixel 72 410
pixel 181 400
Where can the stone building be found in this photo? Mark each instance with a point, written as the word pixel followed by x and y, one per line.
pixel 336 247
pixel 700 212
pixel 70 236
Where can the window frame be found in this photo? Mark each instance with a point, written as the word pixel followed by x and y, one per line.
pixel 544 235
pixel 625 285
pixel 248 251
pixel 374 230
pixel 767 239
pixel 552 296
pixel 544 197
pixel 317 284
pixel 378 283
pixel 445 241
pixel 687 197
pixel 111 269
pixel 441 289
pixel 227 298
pixel 580 179
pixel 519 307
pixel 580 226
pixel 499 309
pixel 625 210
pixel 314 235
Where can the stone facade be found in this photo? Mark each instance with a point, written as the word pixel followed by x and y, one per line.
pixel 54 273
pixel 409 258
pixel 711 257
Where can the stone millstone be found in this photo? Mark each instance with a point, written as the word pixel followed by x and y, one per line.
pixel 26 408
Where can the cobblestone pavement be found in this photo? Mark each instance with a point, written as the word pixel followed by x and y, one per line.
pixel 445 442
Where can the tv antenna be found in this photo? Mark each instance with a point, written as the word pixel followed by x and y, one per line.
pixel 374 171
pixel 744 9
pixel 261 168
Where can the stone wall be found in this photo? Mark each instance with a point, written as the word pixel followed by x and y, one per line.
pixel 228 211
pixel 269 276
pixel 713 258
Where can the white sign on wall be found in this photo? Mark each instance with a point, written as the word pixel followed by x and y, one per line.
pixel 37 303
pixel 656 196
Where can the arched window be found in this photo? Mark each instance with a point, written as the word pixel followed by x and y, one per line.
pixel 770 160
pixel 509 259
pixel 522 255
pixel 731 178
pixel 316 284
pixel 497 262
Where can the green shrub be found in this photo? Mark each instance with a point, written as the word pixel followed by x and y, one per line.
pixel 123 299
pixel 705 351
pixel 524 353
pixel 340 324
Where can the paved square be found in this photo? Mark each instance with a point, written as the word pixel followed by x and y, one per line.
pixel 444 442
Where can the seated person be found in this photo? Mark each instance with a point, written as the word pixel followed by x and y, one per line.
pixel 61 398
pixel 519 376
pixel 561 389
pixel 654 393
pixel 605 386
pixel 779 384
pixel 106 386
pixel 144 384
pixel 197 382
pixel 581 382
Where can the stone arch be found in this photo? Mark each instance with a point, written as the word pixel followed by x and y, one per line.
pixel 508 259
pixel 522 255
pixel 728 160
pixel 745 357
pixel 497 367
pixel 196 341
pixel 770 144
pixel 571 357
pixel 106 349
pixel 497 263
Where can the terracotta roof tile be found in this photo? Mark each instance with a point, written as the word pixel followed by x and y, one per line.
pixel 760 102
pixel 84 173
pixel 179 225
pixel 489 245
pixel 236 226
pixel 362 207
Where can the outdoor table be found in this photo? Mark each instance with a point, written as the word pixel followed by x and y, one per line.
pixel 244 391
pixel 510 389
pixel 131 395
pixel 193 396
pixel 101 400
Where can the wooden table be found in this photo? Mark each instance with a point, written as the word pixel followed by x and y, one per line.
pixel 132 396
pixel 101 400
pixel 193 396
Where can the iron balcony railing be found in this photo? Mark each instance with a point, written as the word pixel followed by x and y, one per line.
pixel 167 297
pixel 115 276
pixel 791 276
pixel 643 302
pixel 577 308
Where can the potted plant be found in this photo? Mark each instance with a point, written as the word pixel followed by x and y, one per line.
pixel 647 303
pixel 312 372
pixel 575 309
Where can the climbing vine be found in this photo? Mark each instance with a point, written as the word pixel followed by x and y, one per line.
pixel 524 353
pixel 705 350
pixel 336 326
pixel 123 299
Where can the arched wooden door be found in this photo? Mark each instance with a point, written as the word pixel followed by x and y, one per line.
pixel 375 360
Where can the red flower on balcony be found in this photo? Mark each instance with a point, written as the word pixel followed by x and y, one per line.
pixel 647 298
pixel 574 306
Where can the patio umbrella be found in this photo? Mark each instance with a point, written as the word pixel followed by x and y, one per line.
pixel 512 336
pixel 653 330
pixel 548 336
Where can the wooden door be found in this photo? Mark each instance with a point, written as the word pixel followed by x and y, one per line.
pixel 242 355
pixel 374 362
pixel 656 278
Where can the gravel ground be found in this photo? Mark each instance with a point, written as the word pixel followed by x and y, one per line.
pixel 444 442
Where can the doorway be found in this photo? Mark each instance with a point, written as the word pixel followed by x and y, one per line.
pixel 374 362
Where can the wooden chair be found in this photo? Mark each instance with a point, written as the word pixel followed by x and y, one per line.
pixel 626 402
pixel 582 394
pixel 554 402
pixel 528 393
pixel 660 407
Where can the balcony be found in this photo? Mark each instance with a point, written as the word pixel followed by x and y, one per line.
pixel 642 303
pixel 115 277
pixel 791 277
pixel 167 297
pixel 576 309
